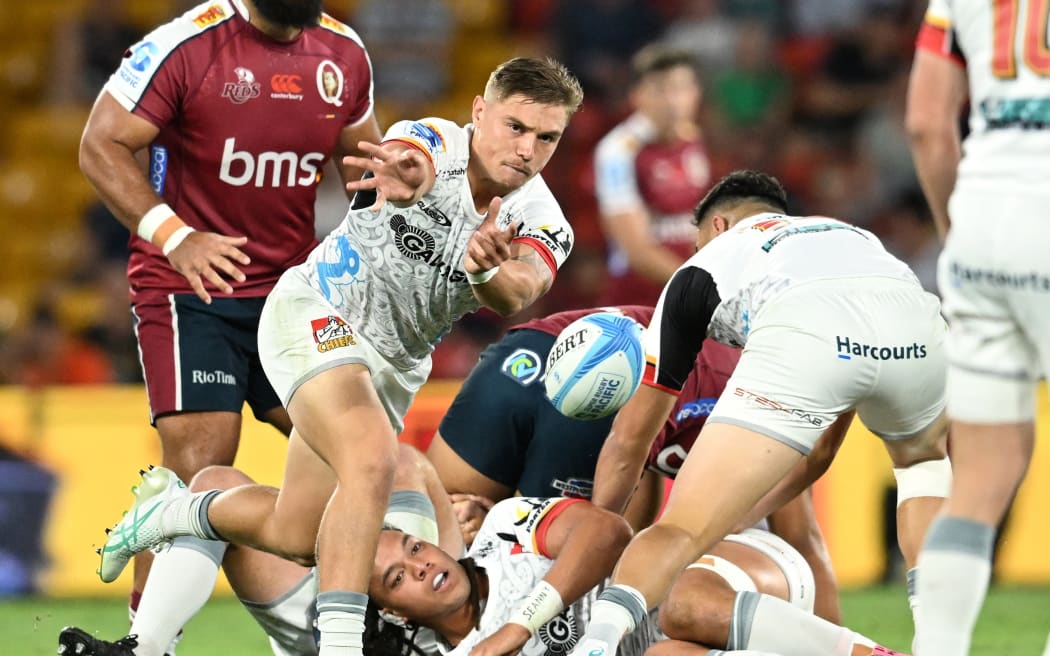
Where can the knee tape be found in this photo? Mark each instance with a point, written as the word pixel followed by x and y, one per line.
pixel 932 478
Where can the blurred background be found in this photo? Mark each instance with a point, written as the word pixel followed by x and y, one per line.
pixel 812 91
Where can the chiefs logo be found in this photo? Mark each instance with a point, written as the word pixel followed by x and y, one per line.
pixel 286 83
pixel 211 15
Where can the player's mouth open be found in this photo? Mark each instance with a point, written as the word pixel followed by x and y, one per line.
pixel 440 580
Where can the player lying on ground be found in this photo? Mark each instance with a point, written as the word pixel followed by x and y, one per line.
pixel 529 556
pixel 278 593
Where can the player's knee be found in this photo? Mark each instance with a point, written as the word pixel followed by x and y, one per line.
pixel 218 477
pixel 677 614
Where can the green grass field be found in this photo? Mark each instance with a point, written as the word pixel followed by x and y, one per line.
pixel 1014 623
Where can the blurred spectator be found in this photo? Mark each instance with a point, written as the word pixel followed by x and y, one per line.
pixel 704 30
pixel 650 172
pixel 596 37
pixel 88 47
pixel 881 140
pixel 907 231
pixel 47 354
pixel 752 93
pixel 855 74
pixel 409 42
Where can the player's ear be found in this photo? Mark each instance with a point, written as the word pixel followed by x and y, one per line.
pixel 476 109
pixel 719 223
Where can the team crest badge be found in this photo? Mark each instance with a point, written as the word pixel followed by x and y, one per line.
pixel 522 366
pixel 331 332
pixel 244 89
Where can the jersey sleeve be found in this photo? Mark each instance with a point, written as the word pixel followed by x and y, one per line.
pixel 541 224
pixel 431 137
pixel 615 179
pixel 937 34
pixel 526 520
pixel 676 333
pixel 153 77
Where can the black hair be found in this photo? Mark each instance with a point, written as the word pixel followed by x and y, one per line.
pixel 740 187
pixel 386 638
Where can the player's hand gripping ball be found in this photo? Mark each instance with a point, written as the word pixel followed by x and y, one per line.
pixel 595 365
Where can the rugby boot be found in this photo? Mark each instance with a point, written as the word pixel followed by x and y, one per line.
pixel 140 528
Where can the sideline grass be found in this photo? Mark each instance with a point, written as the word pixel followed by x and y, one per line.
pixel 1015 622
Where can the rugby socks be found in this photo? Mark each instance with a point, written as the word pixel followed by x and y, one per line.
pixel 188 516
pixel 956 563
pixel 617 611
pixel 911 578
pixel 412 512
pixel 341 622
pixel 767 624
pixel 180 583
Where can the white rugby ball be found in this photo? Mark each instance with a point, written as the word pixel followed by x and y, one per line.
pixel 595 365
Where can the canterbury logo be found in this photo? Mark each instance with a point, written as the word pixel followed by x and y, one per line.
pixel 286 83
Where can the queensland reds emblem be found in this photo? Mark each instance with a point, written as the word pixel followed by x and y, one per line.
pixel 560 634
pixel 330 83
pixel 244 89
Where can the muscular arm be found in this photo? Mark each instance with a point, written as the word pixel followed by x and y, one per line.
pixel 367 130
pixel 111 138
pixel 629 230
pixel 521 280
pixel 625 451
pixel 937 92
pixel 797 524
pixel 585 543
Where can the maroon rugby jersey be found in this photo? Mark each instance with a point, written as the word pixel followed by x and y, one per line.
pixel 246 125
pixel 713 367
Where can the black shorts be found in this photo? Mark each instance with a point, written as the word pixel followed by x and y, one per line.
pixel 503 425
pixel 201 358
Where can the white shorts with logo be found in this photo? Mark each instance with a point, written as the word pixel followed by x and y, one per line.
pixel 994 275
pixel 825 347
pixel 289 620
pixel 302 335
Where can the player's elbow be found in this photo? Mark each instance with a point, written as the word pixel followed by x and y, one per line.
pixel 925 129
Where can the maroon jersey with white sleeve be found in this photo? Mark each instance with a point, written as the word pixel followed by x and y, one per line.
pixel 246 125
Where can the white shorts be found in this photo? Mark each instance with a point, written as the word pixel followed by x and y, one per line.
pixel 799 576
pixel 994 275
pixel 825 347
pixel 289 620
pixel 302 335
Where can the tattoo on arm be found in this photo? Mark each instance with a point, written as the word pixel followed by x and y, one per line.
pixel 531 257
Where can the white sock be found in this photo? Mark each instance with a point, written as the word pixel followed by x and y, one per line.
pixel 180 583
pixel 188 516
pixel 341 622
pixel 413 513
pixel 767 624
pixel 956 563
pixel 1046 652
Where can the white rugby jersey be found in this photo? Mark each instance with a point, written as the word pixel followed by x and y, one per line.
pixel 511 547
pixel 718 291
pixel 396 275
pixel 1003 46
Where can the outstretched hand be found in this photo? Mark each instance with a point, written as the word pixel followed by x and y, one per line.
pixel 489 246
pixel 397 173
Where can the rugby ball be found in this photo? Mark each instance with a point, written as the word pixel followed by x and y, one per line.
pixel 595 365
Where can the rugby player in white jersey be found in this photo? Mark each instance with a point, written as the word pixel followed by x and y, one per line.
pixel 462 220
pixel 994 276
pixel 829 322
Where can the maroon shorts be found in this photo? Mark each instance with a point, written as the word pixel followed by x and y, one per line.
pixel 201 358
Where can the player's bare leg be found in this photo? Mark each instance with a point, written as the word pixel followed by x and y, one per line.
pixel 340 416
pixel 989 462
pixel 726 472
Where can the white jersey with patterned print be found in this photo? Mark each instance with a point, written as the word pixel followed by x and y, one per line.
pixel 396 274
pixel 1003 46
pixel 511 547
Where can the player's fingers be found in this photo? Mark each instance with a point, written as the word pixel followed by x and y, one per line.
pixel 214 278
pixel 494 206
pixel 198 288
pixel 227 267
pixel 361 163
pixel 380 199
pixel 231 252
pixel 375 150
